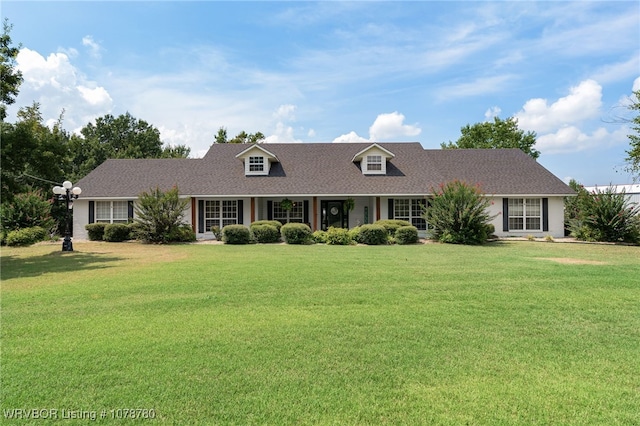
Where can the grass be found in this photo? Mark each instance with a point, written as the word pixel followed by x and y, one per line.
pixel 507 333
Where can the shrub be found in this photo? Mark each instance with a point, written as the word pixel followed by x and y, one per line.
pixel 183 234
pixel 338 236
pixel 26 210
pixel 159 215
pixel 458 214
pixel 392 225
pixel 606 216
pixel 236 234
pixel 275 223
pixel 319 237
pixel 217 232
pixel 117 232
pixel 95 231
pixel 373 235
pixel 407 235
pixel 26 236
pixel 354 234
pixel 265 233
pixel 296 233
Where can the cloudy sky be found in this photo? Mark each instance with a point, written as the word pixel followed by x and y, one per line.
pixel 336 71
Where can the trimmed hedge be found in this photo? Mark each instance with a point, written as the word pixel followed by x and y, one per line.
pixel 117 232
pixel 95 231
pixel 275 223
pixel 26 236
pixel 406 235
pixel 183 234
pixel 373 235
pixel 265 233
pixel 338 237
pixel 392 225
pixel 319 237
pixel 236 234
pixel 296 233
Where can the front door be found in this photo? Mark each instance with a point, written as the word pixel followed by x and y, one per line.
pixel 333 214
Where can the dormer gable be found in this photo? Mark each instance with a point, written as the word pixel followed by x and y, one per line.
pixel 373 159
pixel 257 160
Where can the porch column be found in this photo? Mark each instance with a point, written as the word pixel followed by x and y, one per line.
pixel 315 213
pixel 377 208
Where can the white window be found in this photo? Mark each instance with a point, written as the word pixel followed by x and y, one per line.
pixel 220 213
pixel 525 214
pixel 295 214
pixel 374 163
pixel 112 211
pixel 256 164
pixel 411 211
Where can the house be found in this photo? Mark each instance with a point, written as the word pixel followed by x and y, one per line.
pixel 239 184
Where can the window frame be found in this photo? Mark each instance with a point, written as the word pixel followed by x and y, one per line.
pixel 529 211
pixel 286 216
pixel 219 213
pixel 256 166
pixel 411 211
pixel 123 207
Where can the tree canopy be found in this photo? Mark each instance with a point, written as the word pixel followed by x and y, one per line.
pixel 633 154
pixel 242 137
pixel 496 134
pixel 10 78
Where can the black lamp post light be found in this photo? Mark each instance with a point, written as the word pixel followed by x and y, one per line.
pixel 67 192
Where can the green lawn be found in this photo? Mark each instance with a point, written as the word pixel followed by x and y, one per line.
pixel 507 333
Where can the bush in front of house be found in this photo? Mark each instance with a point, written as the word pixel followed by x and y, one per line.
pixel 606 216
pixel 236 234
pixel 265 233
pixel 275 223
pixel 338 237
pixel 95 231
pixel 183 234
pixel 319 237
pixel 26 236
pixel 159 214
pixel 459 214
pixel 406 235
pixel 117 232
pixel 26 210
pixel 392 225
pixel 296 233
pixel 372 235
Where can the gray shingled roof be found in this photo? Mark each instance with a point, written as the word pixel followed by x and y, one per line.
pixel 325 169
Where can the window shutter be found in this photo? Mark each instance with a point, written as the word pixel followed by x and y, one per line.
pixel 390 208
pixel 130 210
pixel 240 212
pixel 201 216
pixel 92 211
pixel 545 214
pixel 270 210
pixel 305 211
pixel 505 214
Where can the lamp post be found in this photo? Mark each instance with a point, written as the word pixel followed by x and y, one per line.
pixel 67 192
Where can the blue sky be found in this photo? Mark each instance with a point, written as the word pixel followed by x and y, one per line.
pixel 342 71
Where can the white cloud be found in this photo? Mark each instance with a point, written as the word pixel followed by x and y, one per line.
pixel 571 139
pixel 582 103
pixel 94 48
pixel 636 85
pixel 285 112
pixel 311 133
pixel 57 85
pixel 350 137
pixel 390 126
pixel 492 112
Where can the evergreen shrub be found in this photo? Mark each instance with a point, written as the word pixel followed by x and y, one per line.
pixel 406 235
pixel 373 235
pixel 338 236
pixel 26 236
pixel 95 231
pixel 392 225
pixel 236 234
pixel 117 232
pixel 265 233
pixel 296 233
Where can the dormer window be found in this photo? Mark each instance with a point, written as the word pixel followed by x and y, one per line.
pixel 373 159
pixel 257 160
pixel 374 163
pixel 256 164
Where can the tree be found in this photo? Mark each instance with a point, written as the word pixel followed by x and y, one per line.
pixel 496 134
pixel 633 154
pixel 242 137
pixel 10 78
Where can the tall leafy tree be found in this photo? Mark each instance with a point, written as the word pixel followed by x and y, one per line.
pixel 10 78
pixel 496 134
pixel 633 154
pixel 242 137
